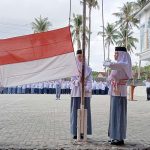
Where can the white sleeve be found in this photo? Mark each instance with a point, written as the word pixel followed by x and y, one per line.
pixel 117 66
pixel 75 81
pixel 88 86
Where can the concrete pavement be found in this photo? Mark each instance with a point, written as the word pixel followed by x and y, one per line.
pixel 41 122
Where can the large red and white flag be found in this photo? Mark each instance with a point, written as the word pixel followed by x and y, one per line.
pixel 37 57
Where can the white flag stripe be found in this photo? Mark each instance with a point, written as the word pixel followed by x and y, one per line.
pixel 52 68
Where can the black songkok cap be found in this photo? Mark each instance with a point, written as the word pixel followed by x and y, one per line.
pixel 123 49
pixel 79 51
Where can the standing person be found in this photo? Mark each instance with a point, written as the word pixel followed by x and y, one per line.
pixel 147 84
pixel 53 87
pixel 67 87
pixel 45 89
pixel 40 85
pixel 24 89
pixel 19 89
pixel 50 87
pixel 32 88
pixel 103 88
pixel 36 90
pixel 28 89
pixel 100 88
pixel 63 87
pixel 121 72
pixel 58 89
pixel 1 88
pixel 94 87
pixel 76 92
pixel 97 88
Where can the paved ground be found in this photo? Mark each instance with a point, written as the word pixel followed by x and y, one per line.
pixel 41 122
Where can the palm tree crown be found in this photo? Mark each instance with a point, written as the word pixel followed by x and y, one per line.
pixel 91 4
pixel 126 16
pixel 139 4
pixel 41 25
pixel 77 30
pixel 110 35
pixel 121 40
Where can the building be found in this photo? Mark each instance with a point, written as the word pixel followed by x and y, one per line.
pixel 102 75
pixel 144 17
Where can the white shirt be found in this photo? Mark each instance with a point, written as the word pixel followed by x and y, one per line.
pixel 94 85
pixel 50 85
pixel 45 84
pixel 24 86
pixel 98 86
pixel 40 85
pixel 28 85
pixel 147 83
pixel 103 86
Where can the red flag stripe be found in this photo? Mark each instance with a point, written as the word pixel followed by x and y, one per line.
pixel 35 46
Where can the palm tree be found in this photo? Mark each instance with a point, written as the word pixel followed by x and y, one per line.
pixel 91 4
pixel 77 30
pixel 121 40
pixel 41 25
pixel 110 36
pixel 127 19
pixel 139 4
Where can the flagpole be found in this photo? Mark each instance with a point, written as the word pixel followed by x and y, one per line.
pixel 83 49
pixel 82 113
pixel 103 29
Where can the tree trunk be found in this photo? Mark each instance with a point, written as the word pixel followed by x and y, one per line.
pixel 139 70
pixel 89 36
pixel 103 30
pixel 109 51
pixel 78 42
pixel 126 36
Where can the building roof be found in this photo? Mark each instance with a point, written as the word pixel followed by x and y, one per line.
pixel 102 74
pixel 146 7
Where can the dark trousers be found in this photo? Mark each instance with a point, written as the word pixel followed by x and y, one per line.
pixel 75 105
pixel 148 93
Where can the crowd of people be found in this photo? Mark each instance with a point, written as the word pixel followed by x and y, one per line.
pixel 49 87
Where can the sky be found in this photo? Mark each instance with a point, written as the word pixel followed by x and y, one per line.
pixel 16 17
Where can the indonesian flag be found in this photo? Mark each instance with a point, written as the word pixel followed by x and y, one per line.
pixel 37 57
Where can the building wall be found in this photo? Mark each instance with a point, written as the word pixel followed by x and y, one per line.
pixel 145 30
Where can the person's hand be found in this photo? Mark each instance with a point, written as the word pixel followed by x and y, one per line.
pixel 106 63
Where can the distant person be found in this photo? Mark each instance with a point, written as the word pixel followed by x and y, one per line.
pixel 24 89
pixel 94 87
pixel 121 72
pixel 98 88
pixel 58 88
pixel 68 87
pixel 19 89
pixel 1 89
pixel 147 84
pixel 103 86
pixel 32 88
pixel 46 87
